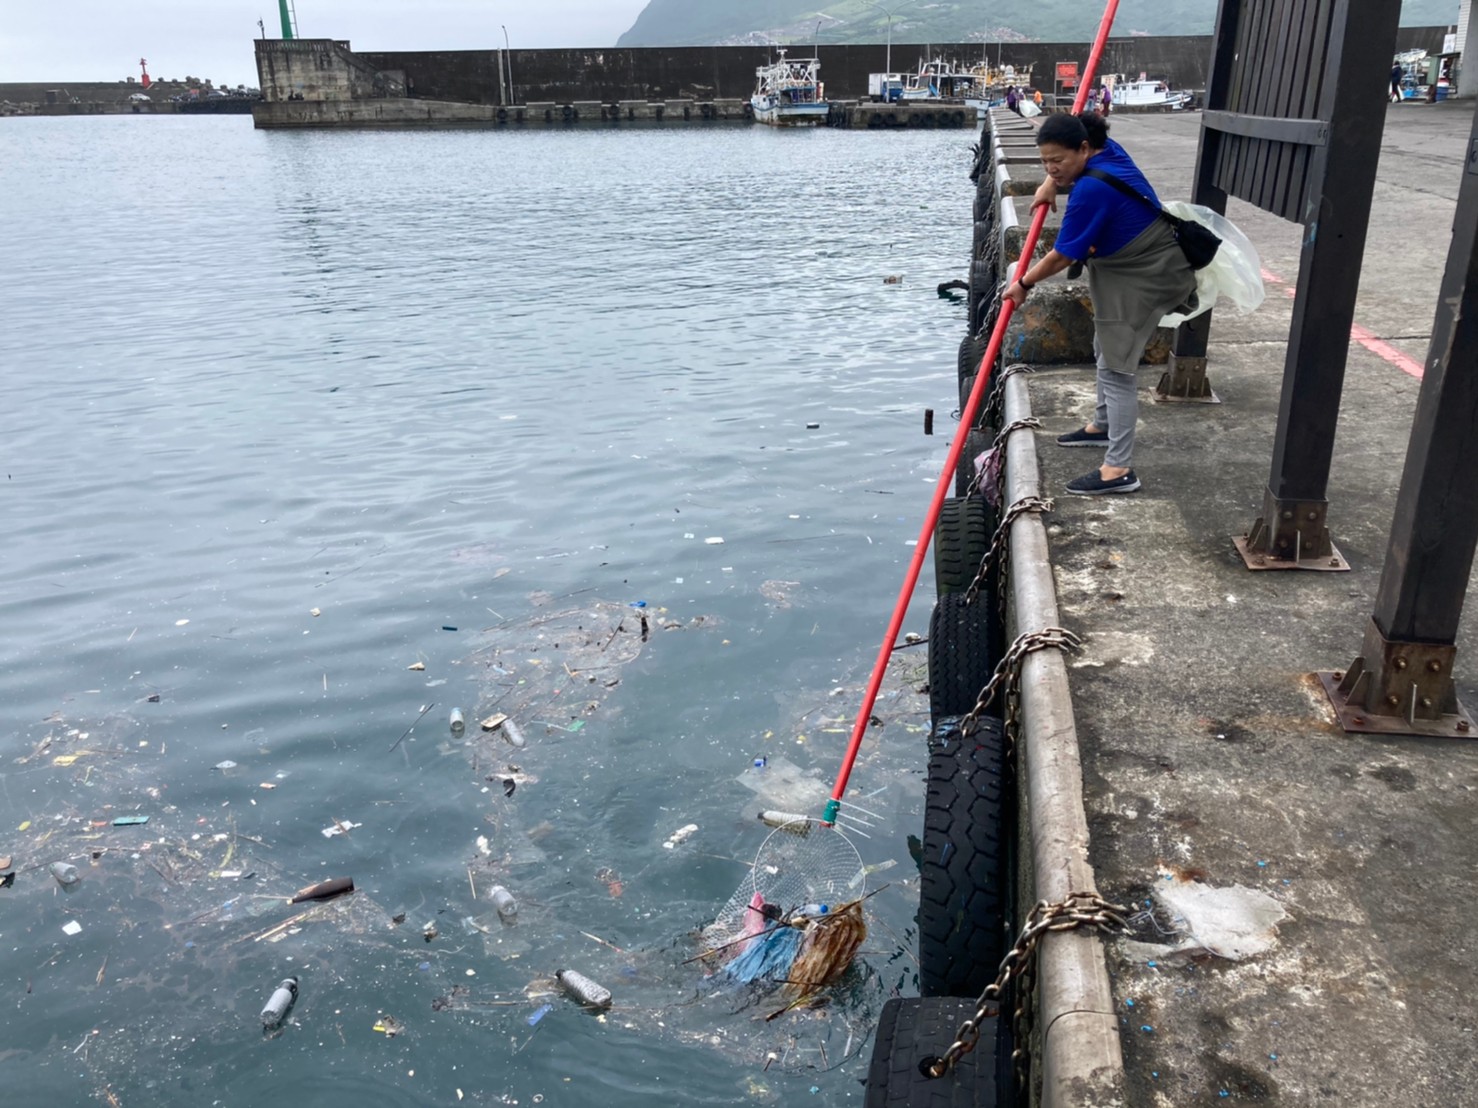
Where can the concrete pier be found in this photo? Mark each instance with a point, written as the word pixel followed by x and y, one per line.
pixel 1214 769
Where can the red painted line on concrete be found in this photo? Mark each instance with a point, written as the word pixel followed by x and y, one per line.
pixel 1379 347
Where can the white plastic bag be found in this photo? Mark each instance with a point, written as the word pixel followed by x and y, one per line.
pixel 1029 109
pixel 1233 276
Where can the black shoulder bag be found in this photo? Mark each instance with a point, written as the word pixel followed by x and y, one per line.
pixel 1197 241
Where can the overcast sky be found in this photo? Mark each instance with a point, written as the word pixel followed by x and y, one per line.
pixel 103 40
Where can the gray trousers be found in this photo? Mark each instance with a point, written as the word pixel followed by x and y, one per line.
pixel 1118 410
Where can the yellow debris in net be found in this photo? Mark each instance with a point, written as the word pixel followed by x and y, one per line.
pixel 25 826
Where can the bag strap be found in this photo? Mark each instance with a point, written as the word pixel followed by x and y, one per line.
pixel 1123 186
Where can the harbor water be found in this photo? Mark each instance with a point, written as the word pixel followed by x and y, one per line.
pixel 310 439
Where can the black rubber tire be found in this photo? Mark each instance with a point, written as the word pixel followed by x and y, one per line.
pixel 972 350
pixel 965 873
pixel 961 538
pixel 962 655
pixel 984 202
pixel 977 443
pixel 913 1029
pixel 980 236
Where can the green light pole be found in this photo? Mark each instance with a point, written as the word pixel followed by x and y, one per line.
pixel 287 23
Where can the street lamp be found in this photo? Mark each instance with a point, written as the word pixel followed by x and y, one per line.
pixel 509 54
pixel 889 12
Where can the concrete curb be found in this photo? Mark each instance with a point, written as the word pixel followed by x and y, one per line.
pixel 1081 1065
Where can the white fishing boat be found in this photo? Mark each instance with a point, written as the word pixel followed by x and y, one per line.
pixel 938 80
pixel 789 93
pixel 1145 93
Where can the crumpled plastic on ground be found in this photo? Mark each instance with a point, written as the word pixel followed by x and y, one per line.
pixel 1233 279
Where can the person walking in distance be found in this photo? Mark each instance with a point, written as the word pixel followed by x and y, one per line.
pixel 1137 273
pixel 1395 81
pixel 1106 99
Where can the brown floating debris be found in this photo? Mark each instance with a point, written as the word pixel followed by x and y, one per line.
pixel 324 889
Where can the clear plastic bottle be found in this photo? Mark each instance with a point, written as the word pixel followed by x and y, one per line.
pixel 505 904
pixel 583 989
pixel 65 873
pixel 513 734
pixel 282 999
pixel 458 723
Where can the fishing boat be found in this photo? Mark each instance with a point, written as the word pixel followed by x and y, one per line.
pixel 991 83
pixel 938 80
pixel 1145 93
pixel 789 93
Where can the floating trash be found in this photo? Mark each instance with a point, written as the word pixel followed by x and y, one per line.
pixel 279 1003
pixel 65 873
pixel 323 890
pixel 586 991
pixel 503 902
pixel 681 835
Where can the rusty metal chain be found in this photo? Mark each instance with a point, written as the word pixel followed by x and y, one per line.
pixel 993 409
pixel 1000 546
pixel 1019 966
pixel 994 467
pixel 1008 674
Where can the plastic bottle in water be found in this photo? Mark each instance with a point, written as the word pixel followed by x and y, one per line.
pixel 505 904
pixel 457 722
pixel 583 989
pixel 513 734
pixel 276 1010
pixel 65 873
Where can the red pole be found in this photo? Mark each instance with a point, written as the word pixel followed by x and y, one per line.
pixel 952 459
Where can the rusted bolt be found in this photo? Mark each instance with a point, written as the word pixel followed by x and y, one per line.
pixel 1400 663
pixel 1339 675
pixel 1259 561
pixel 1287 514
pixel 1313 517
pixel 1358 721
pixel 1334 561
pixel 1462 725
pixel 1434 666
pixel 1393 701
pixel 1426 702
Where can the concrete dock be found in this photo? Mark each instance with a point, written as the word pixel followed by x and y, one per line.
pixel 1210 753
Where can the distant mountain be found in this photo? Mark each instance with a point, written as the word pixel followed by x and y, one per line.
pixel 736 22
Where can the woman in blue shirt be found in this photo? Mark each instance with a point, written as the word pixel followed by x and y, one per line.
pixel 1136 275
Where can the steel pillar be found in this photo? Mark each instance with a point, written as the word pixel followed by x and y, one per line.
pixel 1291 533
pixel 1402 681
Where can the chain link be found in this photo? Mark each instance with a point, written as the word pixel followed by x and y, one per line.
pixel 993 409
pixel 993 469
pixel 1000 545
pixel 1019 967
pixel 1008 674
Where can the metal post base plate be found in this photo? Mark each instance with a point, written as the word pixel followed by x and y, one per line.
pixel 1356 720
pixel 1184 382
pixel 1333 562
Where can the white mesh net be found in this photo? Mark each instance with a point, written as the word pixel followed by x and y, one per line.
pixel 799 863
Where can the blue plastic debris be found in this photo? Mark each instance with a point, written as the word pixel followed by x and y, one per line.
pixel 540 1013
pixel 1154 1073
pixel 1262 865
pixel 1129 1004
pixel 815 1089
pixel 1147 1028
pixel 1222 1092
pixel 1152 965
pixel 761 762
pixel 638 604
pixel 424 966
pixel 447 627
pixel 1274 1057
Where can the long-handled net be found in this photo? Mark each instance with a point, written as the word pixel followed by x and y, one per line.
pixel 796 919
